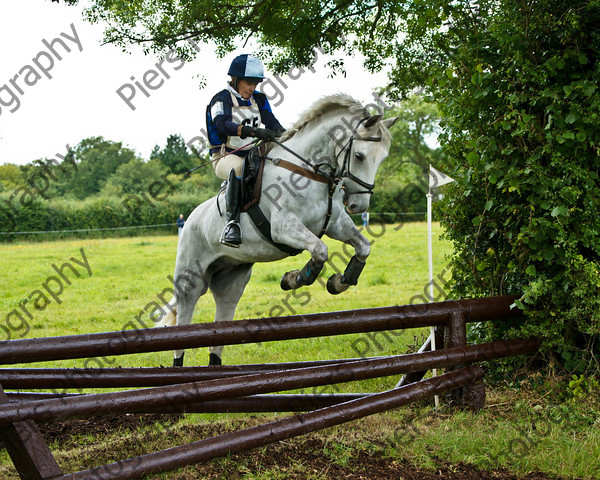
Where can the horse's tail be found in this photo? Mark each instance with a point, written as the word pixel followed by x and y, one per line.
pixel 170 319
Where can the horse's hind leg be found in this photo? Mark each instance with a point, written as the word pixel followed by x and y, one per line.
pixel 227 286
pixel 189 285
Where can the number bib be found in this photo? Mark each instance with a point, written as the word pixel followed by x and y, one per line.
pixel 244 115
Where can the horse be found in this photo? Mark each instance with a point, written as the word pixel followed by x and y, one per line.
pixel 323 167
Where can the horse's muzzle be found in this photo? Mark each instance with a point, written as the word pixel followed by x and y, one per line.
pixel 355 203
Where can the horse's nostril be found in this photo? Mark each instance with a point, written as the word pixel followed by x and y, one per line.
pixel 353 208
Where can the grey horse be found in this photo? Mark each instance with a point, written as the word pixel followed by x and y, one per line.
pixel 323 167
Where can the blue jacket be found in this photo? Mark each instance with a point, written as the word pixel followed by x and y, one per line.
pixel 220 121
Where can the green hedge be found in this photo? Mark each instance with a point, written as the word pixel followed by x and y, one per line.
pixel 36 215
pixel 27 214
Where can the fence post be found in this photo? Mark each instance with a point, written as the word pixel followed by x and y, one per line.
pixel 27 449
pixel 455 335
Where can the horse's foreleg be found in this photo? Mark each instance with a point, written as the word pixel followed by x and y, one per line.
pixel 299 278
pixel 340 282
pixel 345 231
pixel 292 232
pixel 227 287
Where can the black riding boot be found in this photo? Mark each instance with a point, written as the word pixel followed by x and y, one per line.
pixel 232 233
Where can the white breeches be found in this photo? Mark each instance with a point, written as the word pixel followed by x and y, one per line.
pixel 226 163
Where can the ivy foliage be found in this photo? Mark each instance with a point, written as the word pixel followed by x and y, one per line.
pixel 517 83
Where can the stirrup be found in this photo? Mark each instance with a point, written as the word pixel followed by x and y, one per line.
pixel 235 238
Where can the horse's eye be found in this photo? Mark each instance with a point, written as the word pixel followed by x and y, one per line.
pixel 359 156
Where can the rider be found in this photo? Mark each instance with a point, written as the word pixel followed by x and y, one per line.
pixel 233 115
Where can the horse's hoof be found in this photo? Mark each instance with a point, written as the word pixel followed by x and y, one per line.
pixel 178 362
pixel 288 281
pixel 214 359
pixel 335 285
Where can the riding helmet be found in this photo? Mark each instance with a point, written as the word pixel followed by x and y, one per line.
pixel 247 67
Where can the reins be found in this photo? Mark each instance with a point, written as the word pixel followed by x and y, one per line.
pixel 315 167
pixel 218 157
pixel 344 170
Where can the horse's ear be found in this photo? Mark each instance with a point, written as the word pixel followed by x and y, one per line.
pixel 372 121
pixel 388 122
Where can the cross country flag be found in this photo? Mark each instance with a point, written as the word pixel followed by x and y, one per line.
pixel 437 178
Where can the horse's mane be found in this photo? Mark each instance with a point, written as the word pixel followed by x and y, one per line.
pixel 323 106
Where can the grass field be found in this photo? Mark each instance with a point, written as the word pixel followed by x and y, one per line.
pixel 533 426
pixel 127 274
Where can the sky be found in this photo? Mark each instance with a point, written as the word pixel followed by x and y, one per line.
pixel 59 85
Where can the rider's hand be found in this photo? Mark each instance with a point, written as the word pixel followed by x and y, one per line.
pixel 264 134
pixel 246 131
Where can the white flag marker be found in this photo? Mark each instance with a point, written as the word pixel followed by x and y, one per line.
pixel 436 179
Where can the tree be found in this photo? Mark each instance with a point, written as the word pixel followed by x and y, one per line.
pixel 97 159
pixel 418 121
pixel 134 177
pixel 402 179
pixel 286 31
pixel 11 176
pixel 175 156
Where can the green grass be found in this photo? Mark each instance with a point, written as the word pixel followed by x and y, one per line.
pixel 129 273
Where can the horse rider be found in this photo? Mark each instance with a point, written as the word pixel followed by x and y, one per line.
pixel 233 115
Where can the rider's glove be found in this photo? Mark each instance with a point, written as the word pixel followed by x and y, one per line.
pixel 246 131
pixel 264 134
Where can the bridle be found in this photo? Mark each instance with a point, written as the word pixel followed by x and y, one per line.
pixel 343 170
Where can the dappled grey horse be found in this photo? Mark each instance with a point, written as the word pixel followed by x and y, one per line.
pixel 322 168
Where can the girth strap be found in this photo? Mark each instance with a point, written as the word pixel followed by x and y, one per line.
pixel 264 227
pixel 258 217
